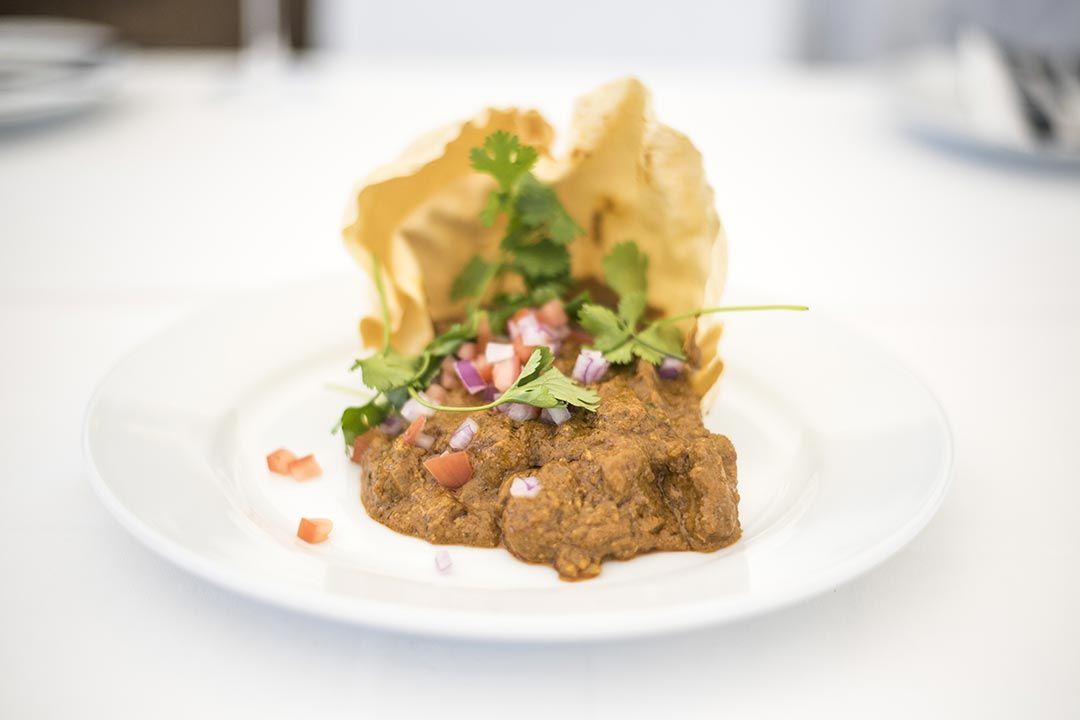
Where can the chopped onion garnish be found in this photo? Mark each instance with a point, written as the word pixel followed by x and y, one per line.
pixel 470 376
pixel 497 352
pixel 525 487
pixel 393 425
pixel 423 440
pixel 670 368
pixel 464 434
pixel 490 394
pixel 589 367
pixel 524 326
pixel 557 332
pixel 443 563
pixel 534 335
pixel 412 410
pixel 556 415
pixel 520 412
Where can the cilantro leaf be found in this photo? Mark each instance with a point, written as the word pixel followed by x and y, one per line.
pixel 473 279
pixel 625 268
pixel 543 259
pixel 607 329
pixel 540 360
pixel 662 338
pixel 646 353
pixel 538 207
pixel 631 306
pixel 504 158
pixel 620 355
pixel 574 304
pixel 542 385
pixel 386 371
pixel 454 337
pixel 358 420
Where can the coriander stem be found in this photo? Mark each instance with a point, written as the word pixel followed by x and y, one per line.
pixel 728 308
pixel 384 308
pixel 452 408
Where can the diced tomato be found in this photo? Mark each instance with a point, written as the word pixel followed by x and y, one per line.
pixel 415 428
pixel 314 530
pixel 483 367
pixel 436 393
pixel 467 351
pixel 279 460
pixel 483 334
pixel 522 350
pixel 451 470
pixel 305 468
pixel 552 313
pixel 505 373
pixel 360 444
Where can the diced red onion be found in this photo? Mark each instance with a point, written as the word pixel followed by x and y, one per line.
pixel 589 367
pixel 423 440
pixel 497 352
pixel 520 412
pixel 525 487
pixel 556 415
pixel 525 325
pixel 413 409
pixel 443 563
pixel 393 425
pixel 556 333
pixel 534 335
pixel 469 376
pixel 464 434
pixel 491 393
pixel 670 368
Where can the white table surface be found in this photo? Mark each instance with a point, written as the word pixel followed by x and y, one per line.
pixel 194 184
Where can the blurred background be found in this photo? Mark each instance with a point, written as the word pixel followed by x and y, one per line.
pixel 182 128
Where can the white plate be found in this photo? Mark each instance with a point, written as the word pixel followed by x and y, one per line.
pixel 843 458
pixel 928 94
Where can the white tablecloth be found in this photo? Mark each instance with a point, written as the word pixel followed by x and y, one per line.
pixel 198 182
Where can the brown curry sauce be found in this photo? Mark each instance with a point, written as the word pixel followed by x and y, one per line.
pixel 639 475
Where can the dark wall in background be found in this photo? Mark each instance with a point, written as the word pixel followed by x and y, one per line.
pixel 170 23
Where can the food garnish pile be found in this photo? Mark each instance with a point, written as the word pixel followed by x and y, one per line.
pixel 544 420
pixel 538 384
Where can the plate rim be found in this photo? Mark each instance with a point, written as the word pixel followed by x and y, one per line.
pixel 508 628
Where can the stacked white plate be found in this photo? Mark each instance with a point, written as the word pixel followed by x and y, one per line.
pixel 53 67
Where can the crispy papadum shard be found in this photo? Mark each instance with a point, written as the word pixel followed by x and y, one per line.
pixel 629 177
pixel 419 215
pixel 625 177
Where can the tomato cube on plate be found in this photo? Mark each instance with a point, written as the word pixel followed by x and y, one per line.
pixel 314 530
pixel 279 461
pixel 305 468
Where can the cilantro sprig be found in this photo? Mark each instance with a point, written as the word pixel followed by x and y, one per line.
pixel 620 335
pixel 540 384
pixel 538 228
